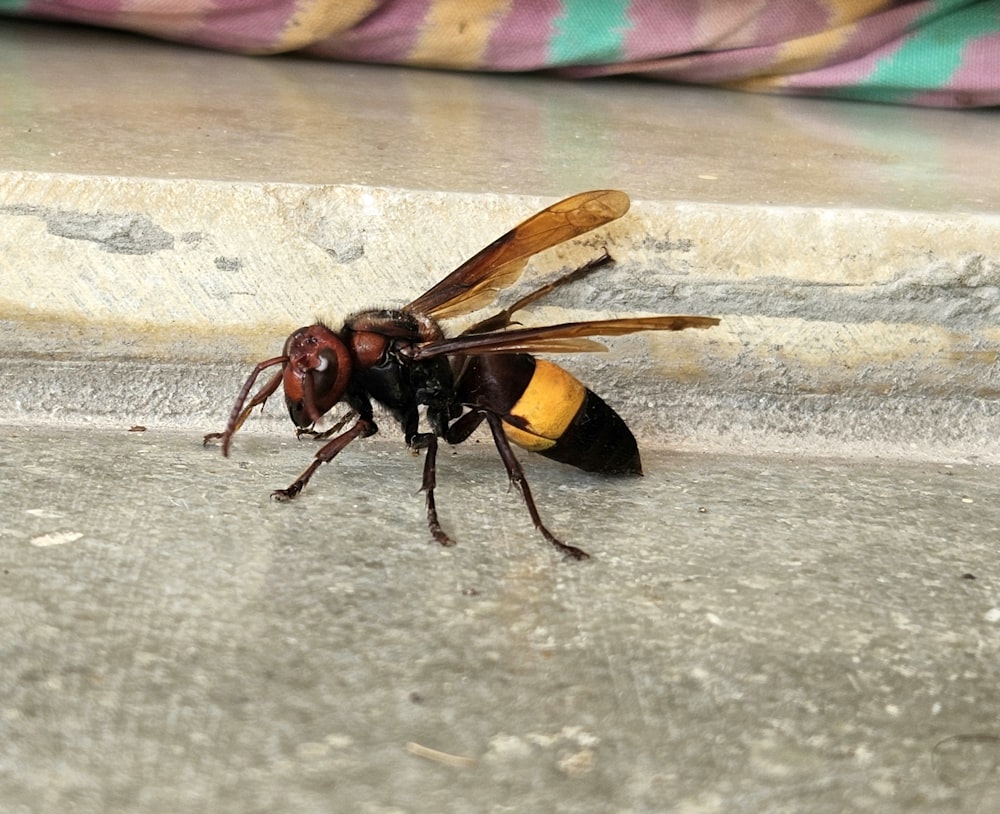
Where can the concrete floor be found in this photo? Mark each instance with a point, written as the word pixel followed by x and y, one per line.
pixel 815 631
pixel 751 635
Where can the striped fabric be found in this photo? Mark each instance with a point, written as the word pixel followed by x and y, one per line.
pixel 934 52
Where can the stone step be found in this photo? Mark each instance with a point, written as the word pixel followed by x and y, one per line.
pixel 168 215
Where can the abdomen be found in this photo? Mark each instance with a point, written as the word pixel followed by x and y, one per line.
pixel 547 410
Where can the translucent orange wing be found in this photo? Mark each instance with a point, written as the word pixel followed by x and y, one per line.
pixel 568 337
pixel 477 281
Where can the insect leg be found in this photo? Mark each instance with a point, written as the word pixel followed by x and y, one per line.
pixel 318 435
pixel 240 413
pixel 464 427
pixel 430 481
pixel 516 475
pixel 362 428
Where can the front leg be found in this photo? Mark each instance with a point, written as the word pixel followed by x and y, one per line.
pixel 428 441
pixel 362 428
pixel 322 435
pixel 429 483
pixel 240 413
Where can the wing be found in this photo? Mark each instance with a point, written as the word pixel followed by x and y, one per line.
pixel 569 337
pixel 476 282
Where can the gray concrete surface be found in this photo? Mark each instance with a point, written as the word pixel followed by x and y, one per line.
pixel 751 635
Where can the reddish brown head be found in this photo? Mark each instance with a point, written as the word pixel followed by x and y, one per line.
pixel 316 375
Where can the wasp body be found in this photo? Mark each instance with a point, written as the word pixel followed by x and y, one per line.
pixel 402 360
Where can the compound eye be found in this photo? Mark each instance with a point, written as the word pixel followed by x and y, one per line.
pixel 324 374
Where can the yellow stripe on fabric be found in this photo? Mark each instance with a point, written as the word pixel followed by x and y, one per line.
pixel 314 20
pixel 457 34
pixel 845 12
pixel 806 53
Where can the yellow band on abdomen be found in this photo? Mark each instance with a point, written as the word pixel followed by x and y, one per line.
pixel 548 405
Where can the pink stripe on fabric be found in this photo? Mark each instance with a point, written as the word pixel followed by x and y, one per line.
pixel 975 81
pixel 722 25
pixel 851 71
pixel 99 12
pixel 245 25
pixel 520 41
pixel 867 42
pixel 873 38
pixel 663 30
pixel 77 6
pixel 779 23
pixel 980 66
pixel 659 28
pixel 238 25
pixel 178 20
pixel 388 35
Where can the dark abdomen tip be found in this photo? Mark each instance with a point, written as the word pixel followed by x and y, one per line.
pixel 597 440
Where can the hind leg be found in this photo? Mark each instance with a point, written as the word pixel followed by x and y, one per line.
pixel 516 474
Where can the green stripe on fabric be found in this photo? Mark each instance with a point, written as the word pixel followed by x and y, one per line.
pixel 589 31
pixel 14 5
pixel 931 54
